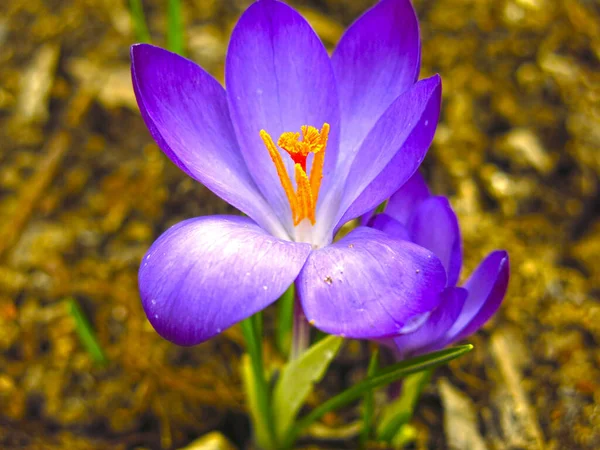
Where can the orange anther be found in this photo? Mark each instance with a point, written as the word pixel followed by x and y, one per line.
pixel 304 196
pixel 284 178
pixel 316 171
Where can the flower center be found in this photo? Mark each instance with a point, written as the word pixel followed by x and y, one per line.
pixel 303 199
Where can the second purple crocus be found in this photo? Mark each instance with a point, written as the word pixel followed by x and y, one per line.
pixel 301 143
pixel 413 214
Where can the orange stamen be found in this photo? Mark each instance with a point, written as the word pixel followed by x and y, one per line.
pixel 288 187
pixel 304 196
pixel 316 171
pixel 303 201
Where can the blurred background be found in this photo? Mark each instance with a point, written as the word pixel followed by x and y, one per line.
pixel 84 191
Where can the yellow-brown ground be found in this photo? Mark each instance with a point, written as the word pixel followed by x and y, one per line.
pixel 84 191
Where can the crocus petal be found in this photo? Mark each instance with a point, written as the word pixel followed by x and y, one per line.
pixel 404 201
pixel 278 77
pixel 366 217
pixel 376 60
pixel 487 287
pixel 434 226
pixel 208 273
pixel 186 111
pixel 390 226
pixel 430 336
pixel 393 149
pixel 369 285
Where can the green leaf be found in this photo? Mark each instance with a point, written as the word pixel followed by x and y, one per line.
pixel 86 333
pixel 175 27
pixel 381 207
pixel 285 321
pixel 406 435
pixel 256 385
pixel 257 323
pixel 139 21
pixel 381 378
pixel 297 380
pixel 259 425
pixel 368 401
pixel 400 411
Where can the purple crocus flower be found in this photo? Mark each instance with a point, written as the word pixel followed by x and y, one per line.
pixel 413 214
pixel 301 143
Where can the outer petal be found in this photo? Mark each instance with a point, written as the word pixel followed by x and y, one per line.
pixel 279 77
pixel 186 111
pixel 434 226
pixel 406 199
pixel 430 336
pixel 390 226
pixel 376 60
pixel 394 148
pixel 368 285
pixel 208 273
pixel 487 287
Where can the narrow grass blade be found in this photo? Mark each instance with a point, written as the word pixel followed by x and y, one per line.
pixel 139 21
pixel 86 333
pixel 368 401
pixel 257 385
pixel 261 433
pixel 175 27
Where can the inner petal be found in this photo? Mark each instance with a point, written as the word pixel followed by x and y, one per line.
pixel 278 75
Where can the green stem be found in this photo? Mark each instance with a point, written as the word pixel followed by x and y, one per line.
pixel 300 332
pixel 285 321
pixel 257 322
pixel 368 401
pixel 254 347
